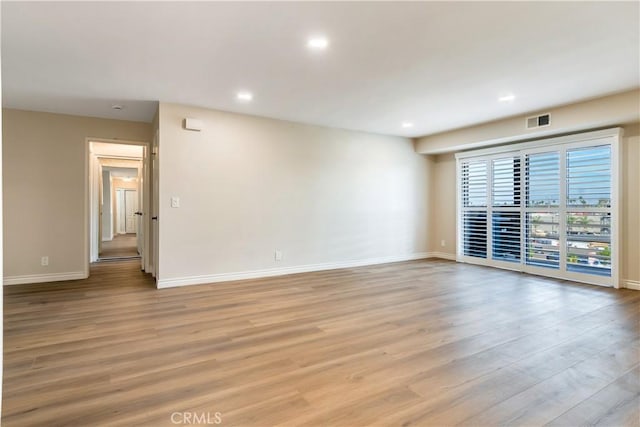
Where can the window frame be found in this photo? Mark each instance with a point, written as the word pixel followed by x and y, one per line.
pixel 611 137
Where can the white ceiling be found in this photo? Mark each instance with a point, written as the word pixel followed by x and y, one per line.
pixel 438 65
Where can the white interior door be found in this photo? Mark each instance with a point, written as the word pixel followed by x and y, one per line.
pixel 155 183
pixel 100 208
pixel 130 209
pixel 141 231
pixel 120 212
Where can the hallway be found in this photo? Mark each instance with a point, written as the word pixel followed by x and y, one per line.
pixel 122 246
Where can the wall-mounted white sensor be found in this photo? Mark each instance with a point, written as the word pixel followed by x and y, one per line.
pixel 193 124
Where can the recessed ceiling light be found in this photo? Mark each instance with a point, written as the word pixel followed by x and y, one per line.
pixel 117 107
pixel 507 98
pixel 407 124
pixel 244 96
pixel 318 43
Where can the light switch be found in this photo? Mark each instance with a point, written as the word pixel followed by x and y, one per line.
pixel 175 202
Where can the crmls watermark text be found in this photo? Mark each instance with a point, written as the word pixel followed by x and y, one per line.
pixel 196 418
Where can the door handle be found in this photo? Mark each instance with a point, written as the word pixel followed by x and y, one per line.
pixel 155 218
pixel 138 213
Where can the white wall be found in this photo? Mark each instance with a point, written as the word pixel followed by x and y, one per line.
pixel 249 186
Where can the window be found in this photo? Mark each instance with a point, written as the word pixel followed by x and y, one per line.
pixel 505 216
pixel 546 207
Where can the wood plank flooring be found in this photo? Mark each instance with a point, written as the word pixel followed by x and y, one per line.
pixel 121 246
pixel 422 343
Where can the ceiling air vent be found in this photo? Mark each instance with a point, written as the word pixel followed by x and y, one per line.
pixel 538 121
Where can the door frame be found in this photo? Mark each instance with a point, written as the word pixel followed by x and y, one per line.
pixel 90 198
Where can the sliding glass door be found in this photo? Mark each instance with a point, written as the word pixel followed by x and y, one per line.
pixel 542 210
pixel 588 212
pixel 546 208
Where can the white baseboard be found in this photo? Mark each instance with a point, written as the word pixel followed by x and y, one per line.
pixel 41 278
pixel 631 284
pixel 270 272
pixel 442 255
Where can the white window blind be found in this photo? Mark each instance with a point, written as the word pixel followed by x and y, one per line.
pixel 547 207
pixel 506 236
pixel 474 183
pixel 542 177
pixel 475 234
pixel 506 181
pixel 589 177
pixel 474 197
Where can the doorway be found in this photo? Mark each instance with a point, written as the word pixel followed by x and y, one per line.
pixel 126 209
pixel 118 198
pixel 119 211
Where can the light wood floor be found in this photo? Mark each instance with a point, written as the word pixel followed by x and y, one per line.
pixel 424 343
pixel 121 246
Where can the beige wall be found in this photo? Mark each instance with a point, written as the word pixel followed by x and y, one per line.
pixel 444 204
pixel 44 187
pixel 631 204
pixel 128 185
pixel 608 111
pixel 249 186
pixel 1 241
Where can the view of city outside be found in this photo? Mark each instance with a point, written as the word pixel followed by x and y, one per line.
pixel 588 241
pixel 586 211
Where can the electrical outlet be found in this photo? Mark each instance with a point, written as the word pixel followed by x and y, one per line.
pixel 44 261
pixel 443 243
pixel 278 255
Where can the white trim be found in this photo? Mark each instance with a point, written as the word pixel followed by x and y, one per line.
pixel 270 272
pixel 443 255
pixel 459 233
pixel 616 208
pixel 631 284
pixel 41 278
